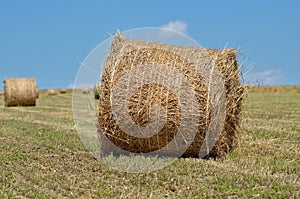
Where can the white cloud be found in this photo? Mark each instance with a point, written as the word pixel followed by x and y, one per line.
pixel 268 77
pixel 176 26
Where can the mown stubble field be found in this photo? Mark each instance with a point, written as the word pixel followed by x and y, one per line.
pixel 41 156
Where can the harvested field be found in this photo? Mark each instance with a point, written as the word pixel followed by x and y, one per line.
pixel 41 156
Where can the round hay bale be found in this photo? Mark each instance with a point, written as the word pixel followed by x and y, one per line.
pixel 63 91
pixel 20 92
pixel 52 92
pixel 1 93
pixel 85 90
pixel 96 91
pixel 37 92
pixel 126 56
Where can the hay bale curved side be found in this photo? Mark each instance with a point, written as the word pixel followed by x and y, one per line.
pixel 20 92
pixel 226 63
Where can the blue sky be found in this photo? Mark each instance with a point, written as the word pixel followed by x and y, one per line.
pixel 48 39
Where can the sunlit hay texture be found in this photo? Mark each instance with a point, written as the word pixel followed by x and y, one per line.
pixel 52 91
pixel 20 92
pixel 125 55
pixel 96 90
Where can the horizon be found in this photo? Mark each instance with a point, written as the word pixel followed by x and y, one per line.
pixel 49 40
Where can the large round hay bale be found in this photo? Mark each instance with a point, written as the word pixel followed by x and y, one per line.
pixel 1 93
pixel 126 56
pixel 52 91
pixel 20 92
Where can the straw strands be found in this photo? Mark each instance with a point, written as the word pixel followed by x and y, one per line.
pixel 20 92
pixel 162 96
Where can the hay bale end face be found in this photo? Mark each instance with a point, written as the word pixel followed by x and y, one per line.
pixel 52 92
pixel 20 92
pixel 125 56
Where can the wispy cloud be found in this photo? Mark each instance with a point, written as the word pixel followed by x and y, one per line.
pixel 268 77
pixel 177 25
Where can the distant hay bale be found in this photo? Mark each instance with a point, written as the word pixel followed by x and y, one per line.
pixel 20 92
pixel 85 90
pixel 96 91
pixel 63 91
pixel 52 92
pixel 126 56
pixel 1 93
pixel 37 92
